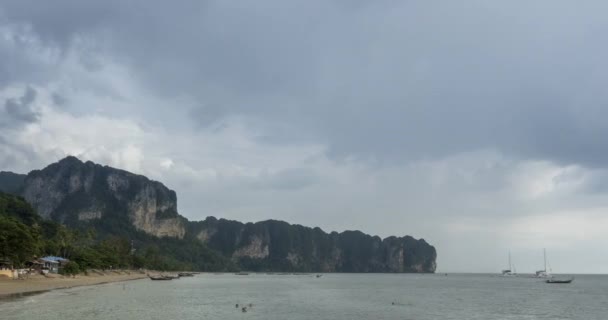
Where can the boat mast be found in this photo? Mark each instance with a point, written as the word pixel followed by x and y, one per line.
pixel 545 256
pixel 510 267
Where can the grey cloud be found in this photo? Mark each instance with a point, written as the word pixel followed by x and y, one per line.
pixel 594 183
pixel 20 110
pixel 384 82
pixel 7 158
pixel 17 157
pixel 388 81
pixel 58 22
pixel 207 115
pixel 385 85
pixel 291 179
pixel 597 186
pixel 286 180
pixel 17 63
pixel 58 99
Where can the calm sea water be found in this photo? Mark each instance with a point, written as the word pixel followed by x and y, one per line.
pixel 333 296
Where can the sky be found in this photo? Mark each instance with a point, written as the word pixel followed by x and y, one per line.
pixel 477 125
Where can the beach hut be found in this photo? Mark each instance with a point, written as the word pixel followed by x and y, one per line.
pixel 35 265
pixel 51 264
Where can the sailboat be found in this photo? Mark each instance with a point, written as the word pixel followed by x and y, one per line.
pixel 543 273
pixel 550 278
pixel 509 272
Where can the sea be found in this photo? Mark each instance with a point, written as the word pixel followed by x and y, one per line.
pixel 331 296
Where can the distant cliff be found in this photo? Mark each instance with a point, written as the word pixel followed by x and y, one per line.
pixel 278 246
pixel 116 202
pixel 70 191
pixel 11 182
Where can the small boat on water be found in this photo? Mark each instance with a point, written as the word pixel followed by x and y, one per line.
pixel 162 276
pixel 242 273
pixel 552 280
pixel 319 275
pixel 186 274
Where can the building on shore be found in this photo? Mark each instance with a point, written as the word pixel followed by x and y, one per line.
pixel 52 264
pixel 6 269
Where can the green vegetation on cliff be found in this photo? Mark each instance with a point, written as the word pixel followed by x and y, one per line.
pixel 25 235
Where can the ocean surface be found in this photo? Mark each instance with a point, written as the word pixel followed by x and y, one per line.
pixel 333 296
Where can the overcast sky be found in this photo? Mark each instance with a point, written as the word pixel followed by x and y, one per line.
pixel 479 126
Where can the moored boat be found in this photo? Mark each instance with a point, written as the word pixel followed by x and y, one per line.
pixel 186 274
pixel 543 273
pixel 511 271
pixel 553 280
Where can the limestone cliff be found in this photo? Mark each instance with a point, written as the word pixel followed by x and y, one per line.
pixel 116 202
pixel 72 192
pixel 278 246
pixel 11 182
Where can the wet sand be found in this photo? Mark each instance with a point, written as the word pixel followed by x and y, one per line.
pixel 35 284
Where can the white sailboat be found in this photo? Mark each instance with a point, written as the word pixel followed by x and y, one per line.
pixel 543 273
pixel 509 272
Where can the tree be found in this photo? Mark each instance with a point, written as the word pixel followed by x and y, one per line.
pixel 70 268
pixel 16 241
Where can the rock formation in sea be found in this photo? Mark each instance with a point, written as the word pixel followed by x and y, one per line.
pixel 79 194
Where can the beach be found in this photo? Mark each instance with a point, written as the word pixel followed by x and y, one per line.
pixel 38 283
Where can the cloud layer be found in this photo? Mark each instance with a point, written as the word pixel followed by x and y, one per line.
pixel 467 124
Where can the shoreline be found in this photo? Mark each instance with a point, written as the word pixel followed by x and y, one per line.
pixel 14 289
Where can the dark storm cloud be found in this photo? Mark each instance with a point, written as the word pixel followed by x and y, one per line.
pixel 291 179
pixel 16 65
pixel 20 110
pixel 60 20
pixel 58 99
pixel 431 112
pixel 386 81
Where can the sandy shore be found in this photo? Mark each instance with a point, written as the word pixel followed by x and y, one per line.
pixel 10 288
